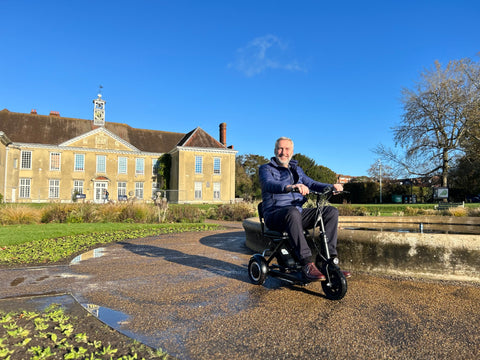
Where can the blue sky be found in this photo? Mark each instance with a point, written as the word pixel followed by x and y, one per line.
pixel 328 74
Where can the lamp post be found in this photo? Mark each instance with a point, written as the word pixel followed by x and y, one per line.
pixel 380 177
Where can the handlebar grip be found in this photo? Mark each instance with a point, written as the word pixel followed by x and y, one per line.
pixel 328 190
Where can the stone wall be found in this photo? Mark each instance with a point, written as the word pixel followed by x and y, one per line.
pixel 447 255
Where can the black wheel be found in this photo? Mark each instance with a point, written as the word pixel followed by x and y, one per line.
pixel 257 269
pixel 336 288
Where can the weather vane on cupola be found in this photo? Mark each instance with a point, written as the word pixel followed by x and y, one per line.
pixel 99 109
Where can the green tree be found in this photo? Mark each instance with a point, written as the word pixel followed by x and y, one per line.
pixel 362 192
pixel 316 172
pixel 248 184
pixel 243 183
pixel 163 167
pixel 465 176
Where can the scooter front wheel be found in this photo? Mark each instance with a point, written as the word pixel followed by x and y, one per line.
pixel 257 269
pixel 335 287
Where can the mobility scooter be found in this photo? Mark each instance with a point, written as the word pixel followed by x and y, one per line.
pixel 279 259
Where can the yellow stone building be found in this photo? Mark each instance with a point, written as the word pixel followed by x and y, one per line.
pixel 45 158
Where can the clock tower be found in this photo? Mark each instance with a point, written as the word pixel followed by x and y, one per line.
pixel 99 111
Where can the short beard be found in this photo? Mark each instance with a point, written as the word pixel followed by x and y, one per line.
pixel 282 162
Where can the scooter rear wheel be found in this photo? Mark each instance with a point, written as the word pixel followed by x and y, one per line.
pixel 257 269
pixel 335 287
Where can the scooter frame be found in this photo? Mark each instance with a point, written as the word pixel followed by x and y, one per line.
pixel 287 267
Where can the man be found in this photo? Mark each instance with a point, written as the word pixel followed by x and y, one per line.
pixel 284 185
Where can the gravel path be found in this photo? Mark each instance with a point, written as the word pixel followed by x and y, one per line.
pixel 190 295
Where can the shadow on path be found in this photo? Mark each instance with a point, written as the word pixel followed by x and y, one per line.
pixel 217 267
pixel 235 242
pixel 232 241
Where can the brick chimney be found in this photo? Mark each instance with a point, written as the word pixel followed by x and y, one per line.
pixel 54 113
pixel 33 112
pixel 223 133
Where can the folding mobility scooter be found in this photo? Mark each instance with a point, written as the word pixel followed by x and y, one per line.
pixel 280 261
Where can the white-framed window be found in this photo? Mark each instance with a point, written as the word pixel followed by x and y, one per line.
pixel 79 162
pixel 26 162
pixel 198 190
pixel 198 164
pixel 78 186
pixel 139 166
pixel 25 188
pixel 53 189
pixel 121 188
pixel 122 165
pixel 217 166
pixel 216 191
pixel 139 190
pixel 154 167
pixel 101 164
pixel 155 188
pixel 55 161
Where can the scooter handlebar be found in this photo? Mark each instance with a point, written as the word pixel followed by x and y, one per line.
pixel 329 190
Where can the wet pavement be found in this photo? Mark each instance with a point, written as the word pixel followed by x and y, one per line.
pixel 190 295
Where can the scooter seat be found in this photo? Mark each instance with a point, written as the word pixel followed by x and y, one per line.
pixel 275 235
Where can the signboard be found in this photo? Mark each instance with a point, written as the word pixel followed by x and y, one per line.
pixel 80 196
pixel 440 193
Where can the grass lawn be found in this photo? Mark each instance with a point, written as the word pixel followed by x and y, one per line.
pixel 53 243
pixel 20 234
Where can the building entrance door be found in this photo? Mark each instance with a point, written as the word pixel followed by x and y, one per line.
pixel 100 188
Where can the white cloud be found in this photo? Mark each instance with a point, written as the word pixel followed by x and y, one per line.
pixel 262 53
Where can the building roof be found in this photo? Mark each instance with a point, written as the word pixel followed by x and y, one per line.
pixel 55 130
pixel 199 138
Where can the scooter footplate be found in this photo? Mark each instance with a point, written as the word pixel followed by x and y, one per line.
pixel 296 278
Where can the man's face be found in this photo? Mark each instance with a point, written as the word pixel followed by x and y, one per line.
pixel 284 152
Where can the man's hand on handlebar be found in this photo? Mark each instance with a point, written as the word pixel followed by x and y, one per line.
pixel 300 188
pixel 337 188
pixel 304 190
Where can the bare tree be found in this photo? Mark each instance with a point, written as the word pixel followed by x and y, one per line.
pixel 472 141
pixel 439 112
pixel 380 172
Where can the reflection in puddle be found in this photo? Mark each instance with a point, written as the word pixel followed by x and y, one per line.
pixel 110 317
pixel 420 229
pixel 95 253
pixel 116 319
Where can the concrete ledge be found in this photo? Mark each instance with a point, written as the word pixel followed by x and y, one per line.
pixel 445 256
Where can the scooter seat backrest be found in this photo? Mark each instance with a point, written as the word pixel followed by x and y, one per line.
pixel 260 216
pixel 271 234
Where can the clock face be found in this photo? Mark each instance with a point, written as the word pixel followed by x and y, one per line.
pixel 98 116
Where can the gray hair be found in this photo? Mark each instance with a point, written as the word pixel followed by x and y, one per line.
pixel 280 139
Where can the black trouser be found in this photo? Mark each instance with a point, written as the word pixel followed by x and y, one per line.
pixel 291 220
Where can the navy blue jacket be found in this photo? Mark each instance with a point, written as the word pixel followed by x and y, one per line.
pixel 274 178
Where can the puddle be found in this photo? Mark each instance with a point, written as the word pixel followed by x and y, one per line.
pixel 17 281
pixel 36 303
pixel 95 253
pixel 116 319
pixel 112 318
pixel 420 230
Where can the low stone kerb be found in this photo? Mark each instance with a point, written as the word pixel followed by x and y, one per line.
pixel 395 245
